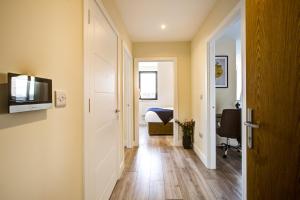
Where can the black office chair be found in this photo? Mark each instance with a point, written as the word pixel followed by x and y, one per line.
pixel 230 127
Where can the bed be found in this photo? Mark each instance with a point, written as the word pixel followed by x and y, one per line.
pixel 160 121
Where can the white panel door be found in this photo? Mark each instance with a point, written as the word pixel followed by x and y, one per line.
pixel 128 98
pixel 101 139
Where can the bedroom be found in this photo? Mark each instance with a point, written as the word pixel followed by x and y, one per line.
pixel 156 99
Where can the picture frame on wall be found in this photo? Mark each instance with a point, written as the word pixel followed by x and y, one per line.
pixel 221 71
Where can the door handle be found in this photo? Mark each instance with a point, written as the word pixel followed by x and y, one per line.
pixel 250 125
pixel 117 111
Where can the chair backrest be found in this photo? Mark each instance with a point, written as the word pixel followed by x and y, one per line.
pixel 231 124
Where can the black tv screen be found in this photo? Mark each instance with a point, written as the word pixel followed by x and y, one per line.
pixel 28 93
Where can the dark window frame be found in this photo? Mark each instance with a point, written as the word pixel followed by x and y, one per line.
pixel 156 86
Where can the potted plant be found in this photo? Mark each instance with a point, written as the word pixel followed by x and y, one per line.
pixel 188 133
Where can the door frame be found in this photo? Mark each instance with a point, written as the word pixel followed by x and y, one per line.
pixel 176 139
pixel 86 95
pixel 130 141
pixel 238 12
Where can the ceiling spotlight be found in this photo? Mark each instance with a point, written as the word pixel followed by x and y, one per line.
pixel 163 26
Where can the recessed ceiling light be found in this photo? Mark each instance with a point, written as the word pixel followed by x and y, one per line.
pixel 163 26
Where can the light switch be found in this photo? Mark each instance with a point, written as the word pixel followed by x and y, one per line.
pixel 60 98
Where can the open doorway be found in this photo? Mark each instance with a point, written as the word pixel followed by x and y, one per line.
pixel 226 99
pixel 156 100
pixel 228 84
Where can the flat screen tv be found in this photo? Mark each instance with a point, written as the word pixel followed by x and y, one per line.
pixel 28 93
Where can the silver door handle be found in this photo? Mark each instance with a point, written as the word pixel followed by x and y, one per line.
pixel 251 125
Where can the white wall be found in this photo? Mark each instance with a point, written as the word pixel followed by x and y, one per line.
pixel 226 97
pixel 165 89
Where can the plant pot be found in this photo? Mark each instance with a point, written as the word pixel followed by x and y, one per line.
pixel 187 142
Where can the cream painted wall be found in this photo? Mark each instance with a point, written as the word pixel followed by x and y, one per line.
pixel 180 50
pixel 41 152
pixel 226 97
pixel 199 72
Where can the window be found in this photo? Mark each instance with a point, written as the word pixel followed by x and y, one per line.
pixel 148 85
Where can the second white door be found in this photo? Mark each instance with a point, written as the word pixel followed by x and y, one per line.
pixel 128 98
pixel 101 121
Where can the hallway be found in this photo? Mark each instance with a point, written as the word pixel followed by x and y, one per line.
pixel 156 170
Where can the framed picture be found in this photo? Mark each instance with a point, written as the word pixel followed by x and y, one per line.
pixel 221 69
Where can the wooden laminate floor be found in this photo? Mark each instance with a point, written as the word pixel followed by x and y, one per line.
pixel 156 170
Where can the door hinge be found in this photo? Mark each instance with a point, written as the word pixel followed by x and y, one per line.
pixel 89 105
pixel 89 16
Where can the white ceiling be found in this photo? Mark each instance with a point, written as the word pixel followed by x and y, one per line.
pixel 143 18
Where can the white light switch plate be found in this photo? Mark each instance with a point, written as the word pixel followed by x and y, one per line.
pixel 60 98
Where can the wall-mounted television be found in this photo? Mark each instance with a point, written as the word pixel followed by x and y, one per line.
pixel 28 93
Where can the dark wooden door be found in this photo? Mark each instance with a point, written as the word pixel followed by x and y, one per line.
pixel 273 91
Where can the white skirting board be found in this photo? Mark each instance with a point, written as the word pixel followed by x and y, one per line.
pixel 201 155
pixel 121 169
